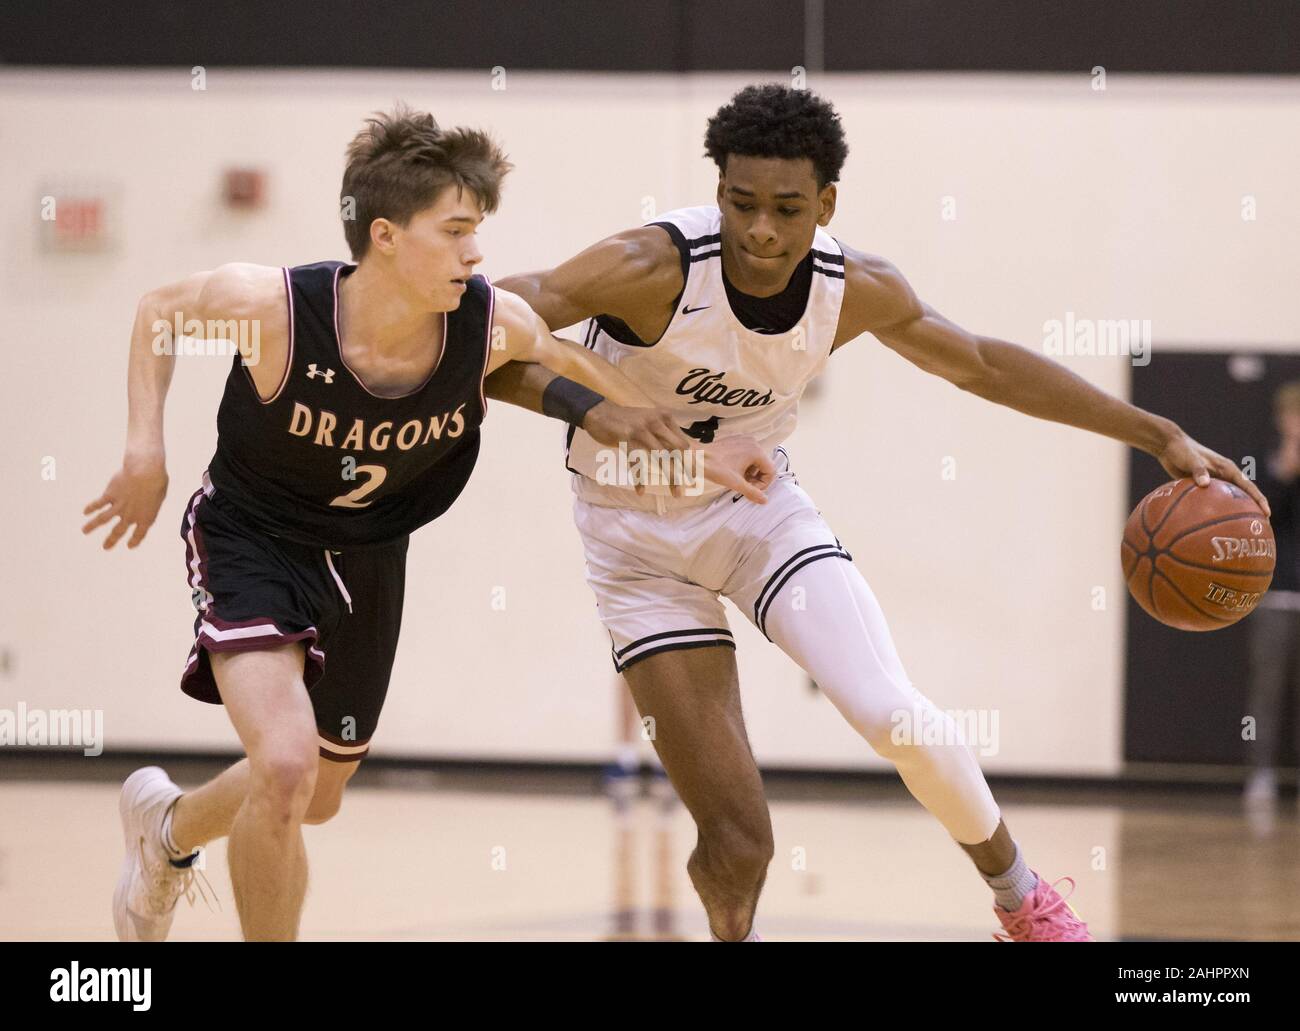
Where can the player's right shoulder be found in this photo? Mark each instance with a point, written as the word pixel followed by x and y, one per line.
pixel 241 292
pixel 241 289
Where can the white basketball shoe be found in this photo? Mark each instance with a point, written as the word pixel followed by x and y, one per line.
pixel 149 886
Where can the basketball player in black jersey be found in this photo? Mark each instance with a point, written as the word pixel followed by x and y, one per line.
pixel 355 422
pixel 779 152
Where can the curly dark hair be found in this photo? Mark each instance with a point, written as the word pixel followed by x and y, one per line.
pixel 776 121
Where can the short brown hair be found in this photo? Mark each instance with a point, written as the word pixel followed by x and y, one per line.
pixel 399 163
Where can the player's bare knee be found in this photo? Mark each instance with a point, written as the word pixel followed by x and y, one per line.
pixel 735 850
pixel 283 781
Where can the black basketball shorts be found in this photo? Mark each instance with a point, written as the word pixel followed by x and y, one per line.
pixel 254 590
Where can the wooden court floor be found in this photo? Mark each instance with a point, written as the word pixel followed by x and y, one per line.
pixel 418 857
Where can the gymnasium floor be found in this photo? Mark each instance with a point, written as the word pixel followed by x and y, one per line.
pixel 542 855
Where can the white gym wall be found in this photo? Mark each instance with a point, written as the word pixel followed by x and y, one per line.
pixel 1117 204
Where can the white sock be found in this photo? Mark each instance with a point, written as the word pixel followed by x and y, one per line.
pixel 1010 889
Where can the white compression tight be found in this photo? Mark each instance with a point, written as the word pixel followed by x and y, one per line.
pixel 837 632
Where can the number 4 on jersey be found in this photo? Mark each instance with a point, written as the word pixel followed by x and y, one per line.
pixel 703 430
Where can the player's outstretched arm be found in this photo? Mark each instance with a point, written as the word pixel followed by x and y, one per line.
pixel 878 300
pixel 634 275
pixel 218 299
pixel 519 334
pixel 538 389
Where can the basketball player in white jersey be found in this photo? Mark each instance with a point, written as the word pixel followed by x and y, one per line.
pixel 356 424
pixel 722 314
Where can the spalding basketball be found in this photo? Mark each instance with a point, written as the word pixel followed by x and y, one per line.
pixel 1198 558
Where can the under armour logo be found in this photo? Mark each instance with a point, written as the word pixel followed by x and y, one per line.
pixel 688 310
pixel 312 373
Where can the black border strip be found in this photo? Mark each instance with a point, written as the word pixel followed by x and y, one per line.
pixel 671 36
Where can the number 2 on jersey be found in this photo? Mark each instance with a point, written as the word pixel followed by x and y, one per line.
pixel 352 499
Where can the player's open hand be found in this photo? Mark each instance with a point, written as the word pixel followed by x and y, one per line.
pixel 648 430
pixel 1182 456
pixel 132 497
pixel 741 464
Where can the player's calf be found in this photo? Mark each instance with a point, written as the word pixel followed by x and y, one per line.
pixel 331 779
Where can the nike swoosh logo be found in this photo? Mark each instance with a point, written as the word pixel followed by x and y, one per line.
pixel 687 309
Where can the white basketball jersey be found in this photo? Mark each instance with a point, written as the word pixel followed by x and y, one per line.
pixel 717 377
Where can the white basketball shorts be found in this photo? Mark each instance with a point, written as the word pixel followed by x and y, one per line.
pixel 659 579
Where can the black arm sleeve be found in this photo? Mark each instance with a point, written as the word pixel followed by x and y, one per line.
pixel 568 401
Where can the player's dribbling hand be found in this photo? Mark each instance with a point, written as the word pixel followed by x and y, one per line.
pixel 741 464
pixel 1182 456
pixel 133 497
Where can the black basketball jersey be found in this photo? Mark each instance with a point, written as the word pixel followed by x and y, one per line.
pixel 328 463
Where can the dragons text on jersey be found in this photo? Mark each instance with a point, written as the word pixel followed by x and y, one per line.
pixel 325 461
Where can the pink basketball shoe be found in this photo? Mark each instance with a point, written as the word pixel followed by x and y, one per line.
pixel 1044 916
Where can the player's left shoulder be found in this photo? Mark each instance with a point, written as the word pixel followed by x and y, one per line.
pixel 511 311
pixel 876 295
pixel 515 331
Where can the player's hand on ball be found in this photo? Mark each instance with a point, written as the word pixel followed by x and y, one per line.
pixel 133 497
pixel 741 464
pixel 1182 456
